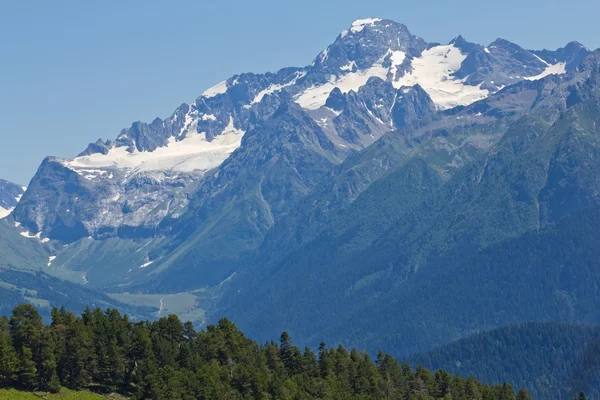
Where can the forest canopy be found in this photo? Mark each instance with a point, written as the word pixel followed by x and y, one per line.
pixel 168 359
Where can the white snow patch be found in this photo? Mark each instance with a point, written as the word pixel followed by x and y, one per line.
pixel 208 117
pixel 375 117
pixel 190 123
pixel 276 88
pixel 147 243
pixel 323 122
pixel 146 264
pixel 316 96
pixel 486 50
pixel 50 259
pixel 219 88
pixel 360 24
pixel 349 67
pixel 37 236
pixel 91 174
pixel 542 60
pixel 116 197
pixel 192 153
pixel 433 72
pixel 397 58
pixel 334 112
pixel 323 55
pixel 5 212
pixel 555 69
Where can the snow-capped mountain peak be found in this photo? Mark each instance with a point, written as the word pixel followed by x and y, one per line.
pixel 360 24
pixel 353 91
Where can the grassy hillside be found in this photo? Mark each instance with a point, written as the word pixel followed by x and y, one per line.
pixel 65 394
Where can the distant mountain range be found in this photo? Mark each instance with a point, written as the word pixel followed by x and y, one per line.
pixel 393 194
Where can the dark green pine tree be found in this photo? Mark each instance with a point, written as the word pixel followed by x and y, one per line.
pixel 310 365
pixel 26 330
pixel 80 358
pixel 273 360
pixel 444 383
pixel 27 374
pixel 290 355
pixel 326 365
pixel 8 356
pixel 47 375
pixel 523 395
pixel 391 375
pixel 507 392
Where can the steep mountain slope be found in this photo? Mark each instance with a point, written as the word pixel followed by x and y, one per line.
pixel 280 162
pixel 24 262
pixel 10 194
pixel 552 360
pixel 543 169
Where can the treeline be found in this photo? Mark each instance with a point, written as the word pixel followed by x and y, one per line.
pixel 168 359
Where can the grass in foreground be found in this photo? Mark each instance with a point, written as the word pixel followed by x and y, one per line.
pixel 65 394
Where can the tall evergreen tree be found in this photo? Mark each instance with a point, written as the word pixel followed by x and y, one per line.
pixel 27 374
pixel 8 355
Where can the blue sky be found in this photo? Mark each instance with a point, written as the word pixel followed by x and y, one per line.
pixel 75 71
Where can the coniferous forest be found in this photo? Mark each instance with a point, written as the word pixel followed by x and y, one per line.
pixel 168 359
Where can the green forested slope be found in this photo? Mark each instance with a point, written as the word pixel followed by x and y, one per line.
pixel 553 360
pixel 509 238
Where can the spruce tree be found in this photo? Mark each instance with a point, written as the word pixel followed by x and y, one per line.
pixel 8 356
pixel 47 375
pixel 523 395
pixel 27 373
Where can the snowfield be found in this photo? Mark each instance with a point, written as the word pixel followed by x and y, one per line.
pixel 432 71
pixel 193 153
